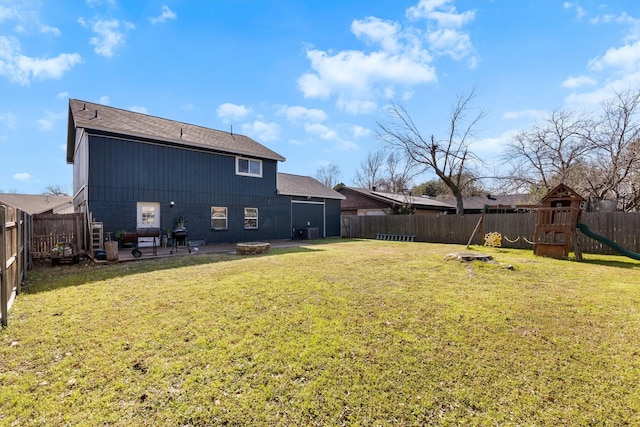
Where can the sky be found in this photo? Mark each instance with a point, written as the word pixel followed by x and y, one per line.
pixel 307 78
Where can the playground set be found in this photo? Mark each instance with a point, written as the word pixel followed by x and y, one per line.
pixel 556 227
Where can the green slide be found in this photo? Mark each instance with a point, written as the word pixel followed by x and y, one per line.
pixel 613 245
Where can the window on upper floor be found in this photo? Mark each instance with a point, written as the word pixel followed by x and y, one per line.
pixel 248 167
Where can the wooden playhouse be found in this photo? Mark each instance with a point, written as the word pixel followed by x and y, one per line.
pixel 556 223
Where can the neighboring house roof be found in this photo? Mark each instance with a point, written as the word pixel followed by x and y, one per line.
pixel 420 202
pixel 306 186
pixel 99 117
pixel 38 203
pixel 479 202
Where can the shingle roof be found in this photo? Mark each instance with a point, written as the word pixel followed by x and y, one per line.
pixel 298 185
pixel 423 202
pixel 38 203
pixel 99 117
pixel 479 202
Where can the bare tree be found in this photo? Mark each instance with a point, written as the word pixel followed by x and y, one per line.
pixel 550 152
pixel 390 172
pixel 329 175
pixel 400 173
pixel 437 188
pixel 371 170
pixel 450 158
pixel 598 155
pixel 615 169
pixel 54 190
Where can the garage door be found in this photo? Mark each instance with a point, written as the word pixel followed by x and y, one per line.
pixel 307 215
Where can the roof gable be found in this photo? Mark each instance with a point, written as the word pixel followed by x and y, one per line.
pixel 99 117
pixel 305 186
pixel 38 203
pixel 421 202
pixel 563 192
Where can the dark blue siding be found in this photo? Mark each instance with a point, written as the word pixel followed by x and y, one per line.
pixel 124 172
pixel 332 211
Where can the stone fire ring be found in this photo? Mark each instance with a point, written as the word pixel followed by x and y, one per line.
pixel 252 248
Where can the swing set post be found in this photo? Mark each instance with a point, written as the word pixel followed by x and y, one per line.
pixel 475 230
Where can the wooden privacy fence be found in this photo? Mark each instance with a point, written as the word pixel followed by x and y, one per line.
pixel 517 229
pixel 15 260
pixel 50 229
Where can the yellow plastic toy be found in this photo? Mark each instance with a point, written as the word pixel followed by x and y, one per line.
pixel 493 239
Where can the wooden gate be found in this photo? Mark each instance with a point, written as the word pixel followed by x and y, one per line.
pixel 50 229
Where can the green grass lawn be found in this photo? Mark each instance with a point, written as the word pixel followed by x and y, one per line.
pixel 356 333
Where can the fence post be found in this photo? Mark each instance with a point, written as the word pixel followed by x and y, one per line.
pixel 4 297
pixel 20 275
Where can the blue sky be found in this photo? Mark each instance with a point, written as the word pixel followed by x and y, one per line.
pixel 308 79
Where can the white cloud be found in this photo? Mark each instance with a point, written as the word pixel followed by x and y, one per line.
pixel 138 109
pixel 619 65
pixel 444 24
pixel 7 121
pixel 575 82
pixel 94 3
pixel 51 31
pixel 375 30
pixel 49 120
pixel 298 113
pixel 360 132
pixel 440 11
pixel 21 69
pixel 164 16
pixel 228 112
pixel 320 130
pixel 355 73
pixel 493 146
pixel 105 100
pixel 63 95
pixel 261 131
pixel 22 176
pixel 580 13
pixel 534 114
pixel 328 134
pixel 626 57
pixel 622 19
pixel 345 145
pixel 8 12
pixel 396 56
pixel 356 106
pixel 110 35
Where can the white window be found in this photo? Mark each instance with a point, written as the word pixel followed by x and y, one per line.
pixel 218 218
pixel 250 218
pixel 248 167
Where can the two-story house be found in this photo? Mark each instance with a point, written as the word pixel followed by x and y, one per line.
pixel 133 171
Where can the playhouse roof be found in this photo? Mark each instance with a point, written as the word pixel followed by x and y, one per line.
pixel 562 192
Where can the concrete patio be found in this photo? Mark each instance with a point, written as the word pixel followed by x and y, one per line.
pixel 125 254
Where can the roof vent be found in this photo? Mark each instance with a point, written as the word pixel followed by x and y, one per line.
pixel 84 107
pixel 96 116
pixel 180 132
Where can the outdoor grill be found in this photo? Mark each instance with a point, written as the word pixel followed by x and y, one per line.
pixel 179 235
pixel 154 232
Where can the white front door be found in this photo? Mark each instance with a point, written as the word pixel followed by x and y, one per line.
pixel 148 217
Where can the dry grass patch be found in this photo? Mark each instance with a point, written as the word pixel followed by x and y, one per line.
pixel 344 333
